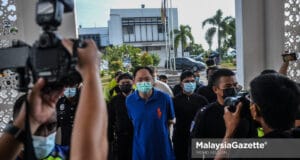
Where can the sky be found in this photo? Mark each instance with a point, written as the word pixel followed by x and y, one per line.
pixel 95 13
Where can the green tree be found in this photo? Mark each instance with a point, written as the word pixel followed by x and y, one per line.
pixel 219 26
pixel 195 49
pixel 146 59
pixel 230 41
pixel 209 37
pixel 182 35
pixel 156 59
pixel 115 54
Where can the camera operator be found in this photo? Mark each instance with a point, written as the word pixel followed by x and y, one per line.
pixel 87 142
pixel 209 122
pixel 271 96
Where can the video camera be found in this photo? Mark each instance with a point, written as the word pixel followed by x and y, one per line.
pixel 232 102
pixel 47 58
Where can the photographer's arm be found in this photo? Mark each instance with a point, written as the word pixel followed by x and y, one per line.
pixel 284 67
pixel 42 108
pixel 231 122
pixel 89 139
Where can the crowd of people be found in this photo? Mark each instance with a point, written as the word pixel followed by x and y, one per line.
pixel 139 116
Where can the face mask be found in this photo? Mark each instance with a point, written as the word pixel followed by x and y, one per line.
pixel 43 145
pixel 189 87
pixel 229 92
pixel 144 87
pixel 70 92
pixel 125 88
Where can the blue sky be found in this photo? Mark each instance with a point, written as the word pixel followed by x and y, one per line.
pixel 95 13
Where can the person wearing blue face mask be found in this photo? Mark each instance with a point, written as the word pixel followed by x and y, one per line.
pixel 186 104
pixel 43 139
pixel 151 113
pixel 66 109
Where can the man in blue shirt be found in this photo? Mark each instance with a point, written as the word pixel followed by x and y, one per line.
pixel 151 112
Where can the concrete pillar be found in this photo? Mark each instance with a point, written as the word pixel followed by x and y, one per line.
pixel 260 37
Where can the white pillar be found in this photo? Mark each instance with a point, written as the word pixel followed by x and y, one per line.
pixel 260 35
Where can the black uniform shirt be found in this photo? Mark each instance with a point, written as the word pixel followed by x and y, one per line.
pixel 118 116
pixel 209 123
pixel 65 118
pixel 185 109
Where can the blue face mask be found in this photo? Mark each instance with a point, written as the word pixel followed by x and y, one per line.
pixel 43 146
pixel 189 87
pixel 70 92
pixel 144 87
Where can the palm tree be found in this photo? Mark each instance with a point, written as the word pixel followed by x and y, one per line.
pixel 230 41
pixel 209 36
pixel 219 26
pixel 182 35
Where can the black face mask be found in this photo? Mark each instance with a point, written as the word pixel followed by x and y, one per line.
pixel 229 92
pixel 125 88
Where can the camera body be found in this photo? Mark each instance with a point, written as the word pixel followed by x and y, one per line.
pixel 232 102
pixel 290 56
pixel 47 58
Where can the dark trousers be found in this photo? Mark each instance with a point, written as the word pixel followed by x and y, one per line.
pixel 124 147
pixel 181 149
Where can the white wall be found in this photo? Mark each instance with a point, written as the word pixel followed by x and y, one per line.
pixel 115 30
pixel 260 31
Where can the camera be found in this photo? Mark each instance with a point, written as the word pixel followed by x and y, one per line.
pixel 290 56
pixel 232 102
pixel 46 58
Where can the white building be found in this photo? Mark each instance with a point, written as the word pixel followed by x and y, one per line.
pixel 143 28
pixel 98 34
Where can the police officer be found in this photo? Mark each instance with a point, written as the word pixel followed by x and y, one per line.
pixel 209 122
pixel 66 109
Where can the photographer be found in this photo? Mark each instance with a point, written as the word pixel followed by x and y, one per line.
pixel 91 111
pixel 271 96
pixel 44 138
pixel 209 122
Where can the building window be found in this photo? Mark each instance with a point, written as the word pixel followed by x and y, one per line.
pixel 128 29
pixel 161 28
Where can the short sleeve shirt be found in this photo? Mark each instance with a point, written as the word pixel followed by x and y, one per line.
pixel 150 120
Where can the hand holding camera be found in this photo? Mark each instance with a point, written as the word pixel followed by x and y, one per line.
pixel 87 57
pixel 232 119
pixel 290 56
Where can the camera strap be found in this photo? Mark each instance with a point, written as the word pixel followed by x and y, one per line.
pixel 29 153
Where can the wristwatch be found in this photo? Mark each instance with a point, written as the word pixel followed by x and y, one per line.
pixel 16 132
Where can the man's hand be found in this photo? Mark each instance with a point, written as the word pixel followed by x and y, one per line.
pixel 42 106
pixel 88 57
pixel 231 120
